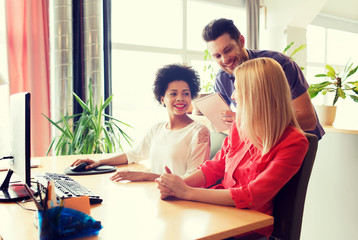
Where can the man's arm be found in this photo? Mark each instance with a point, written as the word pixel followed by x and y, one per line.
pixel 304 111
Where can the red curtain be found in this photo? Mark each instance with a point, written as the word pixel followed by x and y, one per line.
pixel 28 57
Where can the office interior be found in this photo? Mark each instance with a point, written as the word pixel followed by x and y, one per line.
pixel 329 28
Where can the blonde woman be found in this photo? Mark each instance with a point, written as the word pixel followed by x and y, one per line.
pixel 264 149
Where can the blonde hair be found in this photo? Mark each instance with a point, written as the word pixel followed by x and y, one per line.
pixel 263 101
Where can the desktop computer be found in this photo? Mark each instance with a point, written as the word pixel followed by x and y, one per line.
pixel 20 147
pixel 20 164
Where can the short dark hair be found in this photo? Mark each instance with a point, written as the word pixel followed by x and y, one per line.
pixel 218 27
pixel 174 72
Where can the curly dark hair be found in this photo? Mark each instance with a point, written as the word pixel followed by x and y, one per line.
pixel 218 27
pixel 174 72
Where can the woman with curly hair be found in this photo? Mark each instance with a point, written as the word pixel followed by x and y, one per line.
pixel 180 143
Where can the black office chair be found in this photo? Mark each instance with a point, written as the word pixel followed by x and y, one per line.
pixel 290 200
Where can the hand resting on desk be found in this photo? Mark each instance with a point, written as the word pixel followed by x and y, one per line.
pixel 122 175
pixel 134 176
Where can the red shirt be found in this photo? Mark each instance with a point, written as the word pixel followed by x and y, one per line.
pixel 253 179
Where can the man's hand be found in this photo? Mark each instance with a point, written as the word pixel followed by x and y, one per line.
pixel 228 117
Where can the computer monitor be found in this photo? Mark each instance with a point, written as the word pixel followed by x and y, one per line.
pixel 20 144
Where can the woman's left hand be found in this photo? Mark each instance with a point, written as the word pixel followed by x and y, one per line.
pixel 129 175
pixel 172 185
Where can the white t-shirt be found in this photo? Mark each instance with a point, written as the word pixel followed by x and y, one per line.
pixel 182 150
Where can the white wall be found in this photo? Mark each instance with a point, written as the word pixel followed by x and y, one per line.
pixel 282 16
pixel 331 209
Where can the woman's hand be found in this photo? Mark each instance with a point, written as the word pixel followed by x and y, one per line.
pixel 164 191
pixel 172 185
pixel 92 163
pixel 133 176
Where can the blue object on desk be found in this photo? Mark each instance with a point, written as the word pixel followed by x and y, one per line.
pixel 66 223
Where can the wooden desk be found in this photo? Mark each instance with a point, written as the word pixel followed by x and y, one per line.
pixel 134 211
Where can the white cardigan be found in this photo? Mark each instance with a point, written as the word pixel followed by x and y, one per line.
pixel 182 150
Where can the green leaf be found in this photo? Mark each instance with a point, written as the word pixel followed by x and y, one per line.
pixel 355 98
pixel 57 126
pixel 288 47
pixel 353 71
pixel 330 68
pixel 331 74
pixel 313 93
pixel 341 93
pixel 321 85
pixel 300 48
pixel 83 105
pixel 49 149
pixel 320 75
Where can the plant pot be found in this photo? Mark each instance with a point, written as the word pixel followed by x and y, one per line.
pixel 195 109
pixel 326 114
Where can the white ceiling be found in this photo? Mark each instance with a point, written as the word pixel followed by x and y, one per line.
pixel 347 9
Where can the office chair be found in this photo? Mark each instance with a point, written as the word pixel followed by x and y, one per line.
pixel 290 200
pixel 216 141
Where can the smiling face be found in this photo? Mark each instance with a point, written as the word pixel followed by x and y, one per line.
pixel 177 97
pixel 228 53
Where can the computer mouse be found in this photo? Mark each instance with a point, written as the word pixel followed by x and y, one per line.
pixel 80 167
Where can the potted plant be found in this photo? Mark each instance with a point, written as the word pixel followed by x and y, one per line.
pixel 91 133
pixel 207 84
pixel 337 83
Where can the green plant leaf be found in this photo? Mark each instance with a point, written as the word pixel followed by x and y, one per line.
pixel 49 149
pixel 330 68
pixel 353 71
pixel 114 119
pixel 288 47
pixel 91 133
pixel 320 75
pixel 355 98
pixel 313 93
pixel 106 103
pixel 83 105
pixel 58 127
pixel 339 83
pixel 300 48
pixel 341 93
pixel 331 74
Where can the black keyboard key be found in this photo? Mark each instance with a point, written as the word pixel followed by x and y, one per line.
pixel 67 187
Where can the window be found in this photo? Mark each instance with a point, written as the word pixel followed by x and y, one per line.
pixel 157 33
pixel 4 89
pixel 326 45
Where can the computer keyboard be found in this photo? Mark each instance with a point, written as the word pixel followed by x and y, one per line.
pixel 66 187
